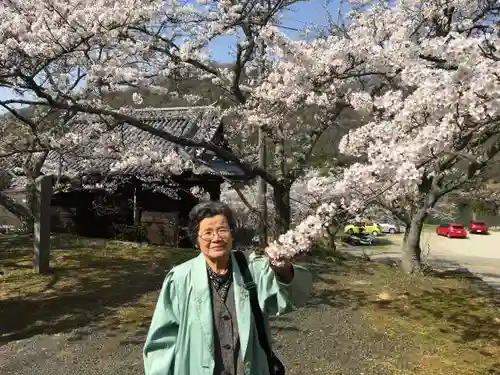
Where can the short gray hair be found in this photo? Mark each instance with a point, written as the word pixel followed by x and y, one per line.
pixel 205 210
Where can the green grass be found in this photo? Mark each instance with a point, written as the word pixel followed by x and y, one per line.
pixel 111 284
pixel 449 322
pixel 429 228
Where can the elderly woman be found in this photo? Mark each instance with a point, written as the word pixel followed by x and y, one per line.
pixel 212 314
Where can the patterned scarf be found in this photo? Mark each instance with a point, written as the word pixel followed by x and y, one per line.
pixel 221 283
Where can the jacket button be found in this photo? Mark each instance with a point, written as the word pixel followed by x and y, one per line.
pixel 227 346
pixel 226 317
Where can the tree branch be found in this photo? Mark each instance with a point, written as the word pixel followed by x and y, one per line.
pixel 13 206
pixel 179 140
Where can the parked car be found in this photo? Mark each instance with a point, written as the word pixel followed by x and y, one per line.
pixel 478 227
pixel 390 228
pixel 451 230
pixel 363 227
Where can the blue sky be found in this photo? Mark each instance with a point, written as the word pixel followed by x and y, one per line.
pixel 300 15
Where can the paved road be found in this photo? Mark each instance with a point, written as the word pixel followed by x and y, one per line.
pixel 478 253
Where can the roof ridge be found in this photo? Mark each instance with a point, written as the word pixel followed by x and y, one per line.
pixel 167 109
pixel 183 112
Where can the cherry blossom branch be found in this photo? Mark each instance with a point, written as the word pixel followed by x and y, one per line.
pixel 299 240
pixel 179 140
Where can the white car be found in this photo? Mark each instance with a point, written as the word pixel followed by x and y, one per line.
pixel 390 228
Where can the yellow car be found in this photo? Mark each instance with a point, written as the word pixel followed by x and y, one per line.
pixel 364 227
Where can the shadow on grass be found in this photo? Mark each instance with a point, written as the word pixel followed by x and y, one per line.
pixel 329 268
pixel 14 247
pixel 470 325
pixel 86 290
pixel 21 241
pixel 383 241
pixel 472 310
pixel 458 302
pixel 15 241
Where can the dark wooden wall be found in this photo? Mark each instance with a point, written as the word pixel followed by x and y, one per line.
pixel 98 214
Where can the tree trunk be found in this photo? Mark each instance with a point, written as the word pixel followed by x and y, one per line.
pixel 407 232
pixel 411 261
pixel 282 209
pixel 331 237
pixel 32 169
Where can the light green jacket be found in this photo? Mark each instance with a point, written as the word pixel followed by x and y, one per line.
pixel 180 338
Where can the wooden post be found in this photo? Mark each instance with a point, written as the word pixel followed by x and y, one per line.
pixel 137 210
pixel 214 191
pixel 41 208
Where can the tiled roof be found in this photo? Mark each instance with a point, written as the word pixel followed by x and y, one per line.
pixel 196 124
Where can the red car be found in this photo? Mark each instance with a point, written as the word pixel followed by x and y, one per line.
pixel 478 227
pixel 451 230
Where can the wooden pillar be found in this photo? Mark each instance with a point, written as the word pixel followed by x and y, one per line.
pixel 136 204
pixel 41 208
pixel 214 191
pixel 137 209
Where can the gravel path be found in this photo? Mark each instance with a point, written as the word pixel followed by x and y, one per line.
pixel 329 336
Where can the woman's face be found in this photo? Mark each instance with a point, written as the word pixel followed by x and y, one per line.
pixel 214 237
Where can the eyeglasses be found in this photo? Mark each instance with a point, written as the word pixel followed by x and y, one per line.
pixel 209 235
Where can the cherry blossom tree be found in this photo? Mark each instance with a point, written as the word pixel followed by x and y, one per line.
pixel 28 135
pixel 423 75
pixel 304 200
pixel 71 55
pixel 243 201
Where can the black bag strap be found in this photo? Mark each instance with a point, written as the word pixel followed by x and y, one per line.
pixel 254 302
